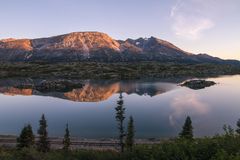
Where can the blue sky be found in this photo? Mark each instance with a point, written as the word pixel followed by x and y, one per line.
pixel 198 26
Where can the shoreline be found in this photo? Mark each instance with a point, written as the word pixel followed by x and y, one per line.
pixel 79 143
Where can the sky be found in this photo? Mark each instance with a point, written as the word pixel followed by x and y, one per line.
pixel 197 26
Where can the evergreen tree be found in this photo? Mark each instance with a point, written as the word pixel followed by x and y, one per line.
pixel 26 138
pixel 120 111
pixel 187 129
pixel 130 134
pixel 238 127
pixel 66 140
pixel 229 131
pixel 43 144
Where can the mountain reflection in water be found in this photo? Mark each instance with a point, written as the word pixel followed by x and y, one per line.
pixel 82 91
pixel 160 114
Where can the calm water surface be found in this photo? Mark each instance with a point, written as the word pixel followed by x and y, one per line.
pixel 159 108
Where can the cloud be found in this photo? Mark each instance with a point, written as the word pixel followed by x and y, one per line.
pixel 188 104
pixel 175 8
pixel 190 18
pixel 191 27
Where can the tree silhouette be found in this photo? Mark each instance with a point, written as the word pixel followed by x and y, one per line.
pixel 43 144
pixel 228 130
pixel 238 127
pixel 120 111
pixel 187 129
pixel 130 134
pixel 66 140
pixel 26 138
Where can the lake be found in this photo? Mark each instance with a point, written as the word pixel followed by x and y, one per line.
pixel 159 107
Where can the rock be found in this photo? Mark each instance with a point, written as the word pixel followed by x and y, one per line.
pixel 198 84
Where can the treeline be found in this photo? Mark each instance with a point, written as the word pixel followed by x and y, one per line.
pixel 27 138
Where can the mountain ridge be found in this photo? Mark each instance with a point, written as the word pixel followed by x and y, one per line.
pixel 98 47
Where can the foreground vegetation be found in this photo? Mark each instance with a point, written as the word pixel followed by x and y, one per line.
pixel 91 70
pixel 224 147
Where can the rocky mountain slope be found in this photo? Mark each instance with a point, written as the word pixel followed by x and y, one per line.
pixel 96 46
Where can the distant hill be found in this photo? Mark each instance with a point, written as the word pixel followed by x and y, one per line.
pixel 98 47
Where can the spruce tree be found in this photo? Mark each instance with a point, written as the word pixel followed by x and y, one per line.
pixel 130 134
pixel 43 144
pixel 66 140
pixel 26 138
pixel 229 131
pixel 120 111
pixel 187 129
pixel 238 127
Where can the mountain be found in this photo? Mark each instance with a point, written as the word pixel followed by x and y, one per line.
pixel 96 46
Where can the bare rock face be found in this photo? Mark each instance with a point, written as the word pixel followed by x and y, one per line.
pixel 77 46
pixel 82 41
pixel 7 40
pixel 22 44
pixel 128 47
pixel 156 45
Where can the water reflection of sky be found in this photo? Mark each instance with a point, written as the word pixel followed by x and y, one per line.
pixel 161 115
